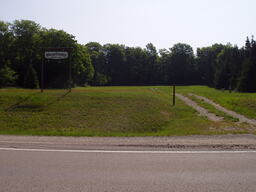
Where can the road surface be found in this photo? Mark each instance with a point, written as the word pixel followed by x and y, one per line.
pixel 47 169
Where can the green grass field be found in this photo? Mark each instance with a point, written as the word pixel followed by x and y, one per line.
pixel 115 111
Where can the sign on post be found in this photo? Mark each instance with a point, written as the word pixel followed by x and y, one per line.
pixel 55 54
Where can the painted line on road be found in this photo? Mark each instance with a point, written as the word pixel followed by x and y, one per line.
pixel 112 151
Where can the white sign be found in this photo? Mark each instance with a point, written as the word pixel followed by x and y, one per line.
pixel 56 54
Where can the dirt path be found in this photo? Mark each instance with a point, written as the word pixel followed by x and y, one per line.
pixel 202 111
pixel 229 112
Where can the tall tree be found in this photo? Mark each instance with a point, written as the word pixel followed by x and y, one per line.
pixel 98 59
pixel 227 68
pixel 6 43
pixel 24 32
pixel 166 71
pixel 247 80
pixel 206 63
pixel 152 68
pixel 136 62
pixel 116 63
pixel 182 64
pixel 83 70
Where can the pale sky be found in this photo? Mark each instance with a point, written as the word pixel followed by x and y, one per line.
pixel 138 22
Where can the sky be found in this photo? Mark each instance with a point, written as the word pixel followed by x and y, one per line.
pixel 198 23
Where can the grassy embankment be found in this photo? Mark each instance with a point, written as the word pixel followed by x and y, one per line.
pixel 104 111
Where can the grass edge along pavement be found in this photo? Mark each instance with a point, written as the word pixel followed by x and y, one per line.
pixel 102 111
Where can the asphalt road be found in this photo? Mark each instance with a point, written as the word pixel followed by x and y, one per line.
pixel 26 171
pixel 91 164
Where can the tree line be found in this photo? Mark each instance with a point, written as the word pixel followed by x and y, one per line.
pixel 220 66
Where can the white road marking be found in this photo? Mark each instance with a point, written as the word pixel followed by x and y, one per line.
pixel 112 151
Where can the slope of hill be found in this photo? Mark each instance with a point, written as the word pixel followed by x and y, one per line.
pixel 103 111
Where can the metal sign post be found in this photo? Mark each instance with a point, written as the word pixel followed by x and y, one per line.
pixel 69 74
pixel 173 95
pixel 56 54
pixel 42 73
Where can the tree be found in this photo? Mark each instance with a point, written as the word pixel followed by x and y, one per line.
pixel 24 47
pixel 31 79
pixel 83 70
pixel 116 63
pixel 136 62
pixel 182 64
pixel 6 42
pixel 7 77
pixel 152 68
pixel 166 73
pixel 98 60
pixel 247 79
pixel 206 63
pixel 227 68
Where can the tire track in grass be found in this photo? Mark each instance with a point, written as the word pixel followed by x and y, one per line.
pixel 202 111
pixel 242 119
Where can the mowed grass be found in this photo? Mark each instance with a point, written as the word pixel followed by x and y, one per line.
pixel 103 111
pixel 243 103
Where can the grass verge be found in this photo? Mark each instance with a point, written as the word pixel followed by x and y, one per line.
pixel 102 111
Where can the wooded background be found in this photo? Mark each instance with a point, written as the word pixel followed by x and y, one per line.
pixel 220 66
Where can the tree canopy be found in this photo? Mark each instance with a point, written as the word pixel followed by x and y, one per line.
pixel 219 66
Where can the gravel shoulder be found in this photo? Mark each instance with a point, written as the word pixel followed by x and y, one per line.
pixel 196 142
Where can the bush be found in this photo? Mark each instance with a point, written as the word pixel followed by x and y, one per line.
pixel 100 79
pixel 7 77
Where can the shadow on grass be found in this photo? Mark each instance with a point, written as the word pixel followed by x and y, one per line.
pixel 20 102
pixel 58 99
pixel 22 105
